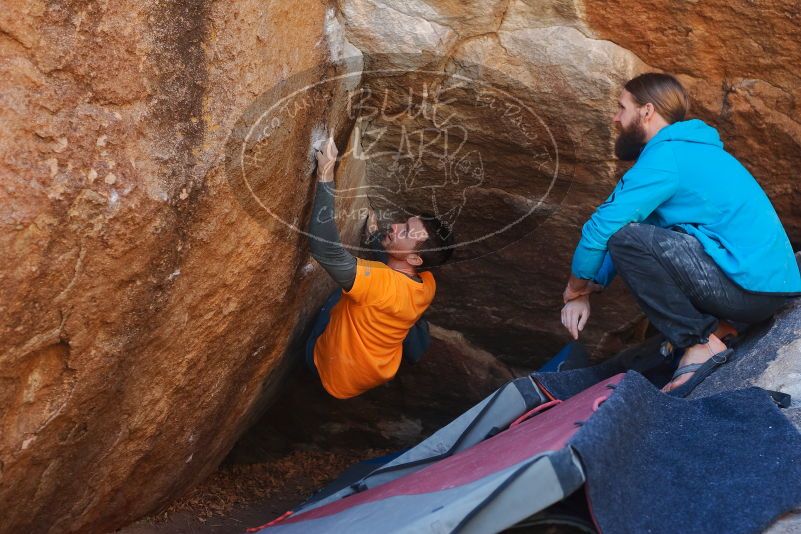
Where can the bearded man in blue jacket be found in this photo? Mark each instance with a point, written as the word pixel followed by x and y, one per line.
pixel 688 228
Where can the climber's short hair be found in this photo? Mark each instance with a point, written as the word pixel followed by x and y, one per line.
pixel 664 92
pixel 438 247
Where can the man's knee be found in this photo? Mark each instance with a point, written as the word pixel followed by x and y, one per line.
pixel 627 237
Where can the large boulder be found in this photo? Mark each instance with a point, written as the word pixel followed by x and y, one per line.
pixel 145 312
pixel 565 63
pixel 738 63
pixel 527 96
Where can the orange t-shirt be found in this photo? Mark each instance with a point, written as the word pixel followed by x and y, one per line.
pixel 362 346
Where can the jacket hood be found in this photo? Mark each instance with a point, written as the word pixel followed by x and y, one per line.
pixel 691 131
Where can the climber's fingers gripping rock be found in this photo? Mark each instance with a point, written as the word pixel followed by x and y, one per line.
pixel 326 159
pixel 372 221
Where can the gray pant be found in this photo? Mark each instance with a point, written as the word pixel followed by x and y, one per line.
pixel 680 287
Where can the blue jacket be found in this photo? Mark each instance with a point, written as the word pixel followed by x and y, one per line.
pixel 683 177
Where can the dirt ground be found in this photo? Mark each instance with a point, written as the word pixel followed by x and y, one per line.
pixel 279 462
pixel 238 497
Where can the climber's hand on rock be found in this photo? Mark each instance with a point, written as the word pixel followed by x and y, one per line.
pixel 372 221
pixel 575 315
pixel 326 159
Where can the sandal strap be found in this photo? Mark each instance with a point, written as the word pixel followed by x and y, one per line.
pixel 690 368
pixel 706 369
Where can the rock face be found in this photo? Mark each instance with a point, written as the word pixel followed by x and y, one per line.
pixel 155 278
pixel 145 313
pixel 534 142
pixel 567 62
pixel 740 72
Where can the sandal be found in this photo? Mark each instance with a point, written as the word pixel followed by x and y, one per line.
pixel 701 370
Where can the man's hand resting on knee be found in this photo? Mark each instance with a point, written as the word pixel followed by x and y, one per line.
pixel 575 315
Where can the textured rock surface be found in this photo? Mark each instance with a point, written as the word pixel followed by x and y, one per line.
pixel 502 292
pixel 567 61
pixel 739 65
pixel 145 314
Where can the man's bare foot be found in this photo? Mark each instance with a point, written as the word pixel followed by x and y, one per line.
pixel 725 329
pixel 696 354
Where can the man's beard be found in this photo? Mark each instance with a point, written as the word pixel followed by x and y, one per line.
pixel 630 141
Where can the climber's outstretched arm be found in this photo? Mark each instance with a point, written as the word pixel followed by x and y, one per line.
pixel 324 241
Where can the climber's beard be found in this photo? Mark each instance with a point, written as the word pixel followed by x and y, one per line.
pixel 630 141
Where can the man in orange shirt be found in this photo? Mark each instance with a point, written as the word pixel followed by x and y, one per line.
pixel 361 345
